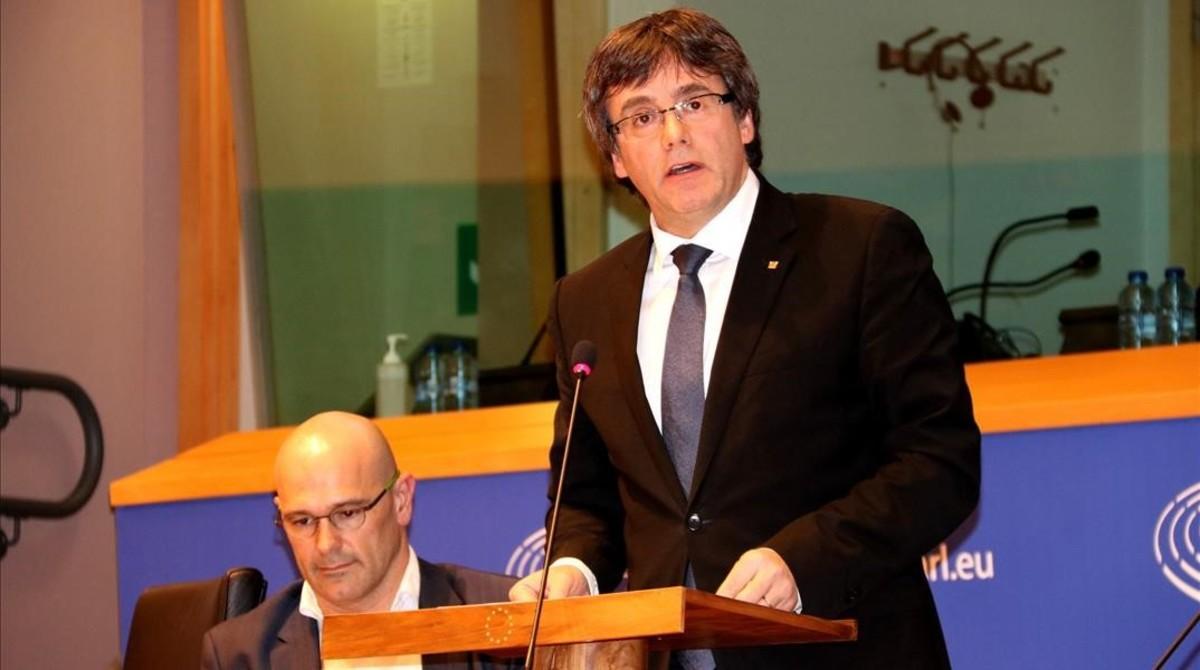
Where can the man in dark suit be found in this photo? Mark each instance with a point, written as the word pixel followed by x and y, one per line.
pixel 777 413
pixel 345 508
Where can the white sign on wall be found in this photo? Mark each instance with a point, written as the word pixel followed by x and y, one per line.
pixel 404 42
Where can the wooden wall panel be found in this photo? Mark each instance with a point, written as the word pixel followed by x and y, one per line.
pixel 209 229
pixel 579 25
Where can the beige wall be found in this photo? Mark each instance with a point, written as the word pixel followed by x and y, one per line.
pixel 322 116
pixel 88 235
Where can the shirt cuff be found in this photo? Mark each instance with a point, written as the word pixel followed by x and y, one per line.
pixel 799 603
pixel 593 588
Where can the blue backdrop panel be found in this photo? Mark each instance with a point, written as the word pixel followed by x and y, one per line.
pixel 1057 568
pixel 1068 518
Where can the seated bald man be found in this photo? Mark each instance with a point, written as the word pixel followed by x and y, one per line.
pixel 345 508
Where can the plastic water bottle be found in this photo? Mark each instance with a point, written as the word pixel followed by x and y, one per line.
pixel 1136 316
pixel 1176 309
pixel 428 382
pixel 462 379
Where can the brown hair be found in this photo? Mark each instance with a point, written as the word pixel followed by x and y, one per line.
pixel 633 53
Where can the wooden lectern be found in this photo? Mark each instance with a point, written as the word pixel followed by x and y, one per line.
pixel 616 630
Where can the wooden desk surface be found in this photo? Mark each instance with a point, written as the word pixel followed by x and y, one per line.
pixel 666 618
pixel 1053 392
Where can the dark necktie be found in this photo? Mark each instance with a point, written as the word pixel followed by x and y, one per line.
pixel 683 394
pixel 683 366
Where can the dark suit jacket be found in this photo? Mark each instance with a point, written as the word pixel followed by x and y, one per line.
pixel 276 635
pixel 837 430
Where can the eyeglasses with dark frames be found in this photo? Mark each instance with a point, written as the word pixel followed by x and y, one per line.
pixel 343 518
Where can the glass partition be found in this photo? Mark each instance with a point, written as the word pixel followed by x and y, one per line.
pixel 422 168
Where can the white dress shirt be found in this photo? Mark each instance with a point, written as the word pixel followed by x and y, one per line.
pixel 407 598
pixel 724 235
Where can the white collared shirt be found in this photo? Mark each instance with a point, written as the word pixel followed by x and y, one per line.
pixel 724 235
pixel 407 598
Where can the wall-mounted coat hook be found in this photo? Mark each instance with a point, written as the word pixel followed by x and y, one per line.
pixel 943 61
pixel 953 56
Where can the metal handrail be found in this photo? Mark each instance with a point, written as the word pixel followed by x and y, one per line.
pixel 93 457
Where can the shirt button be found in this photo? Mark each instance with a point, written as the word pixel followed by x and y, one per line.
pixel 694 523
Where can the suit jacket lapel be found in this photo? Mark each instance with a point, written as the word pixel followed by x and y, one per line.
pixel 299 647
pixel 435 587
pixel 753 296
pixel 436 591
pixel 625 306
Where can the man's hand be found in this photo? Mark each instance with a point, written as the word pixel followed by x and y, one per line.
pixel 761 577
pixel 564 581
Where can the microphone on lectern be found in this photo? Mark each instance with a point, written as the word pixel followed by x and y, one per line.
pixel 583 357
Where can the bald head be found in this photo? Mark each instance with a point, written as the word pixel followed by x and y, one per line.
pixel 337 463
pixel 334 441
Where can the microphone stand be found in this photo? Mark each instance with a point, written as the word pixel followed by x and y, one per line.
pixel 1162 662
pixel 583 354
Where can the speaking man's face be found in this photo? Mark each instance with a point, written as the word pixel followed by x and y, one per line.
pixel 686 169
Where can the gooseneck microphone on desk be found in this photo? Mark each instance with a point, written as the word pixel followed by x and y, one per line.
pixel 978 341
pixel 583 357
pixel 1087 214
pixel 1084 262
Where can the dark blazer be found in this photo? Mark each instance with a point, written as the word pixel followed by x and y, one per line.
pixel 837 430
pixel 276 635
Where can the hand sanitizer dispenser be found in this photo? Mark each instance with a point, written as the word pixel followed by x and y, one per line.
pixel 391 378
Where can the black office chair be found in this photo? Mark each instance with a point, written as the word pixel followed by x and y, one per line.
pixel 169 621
